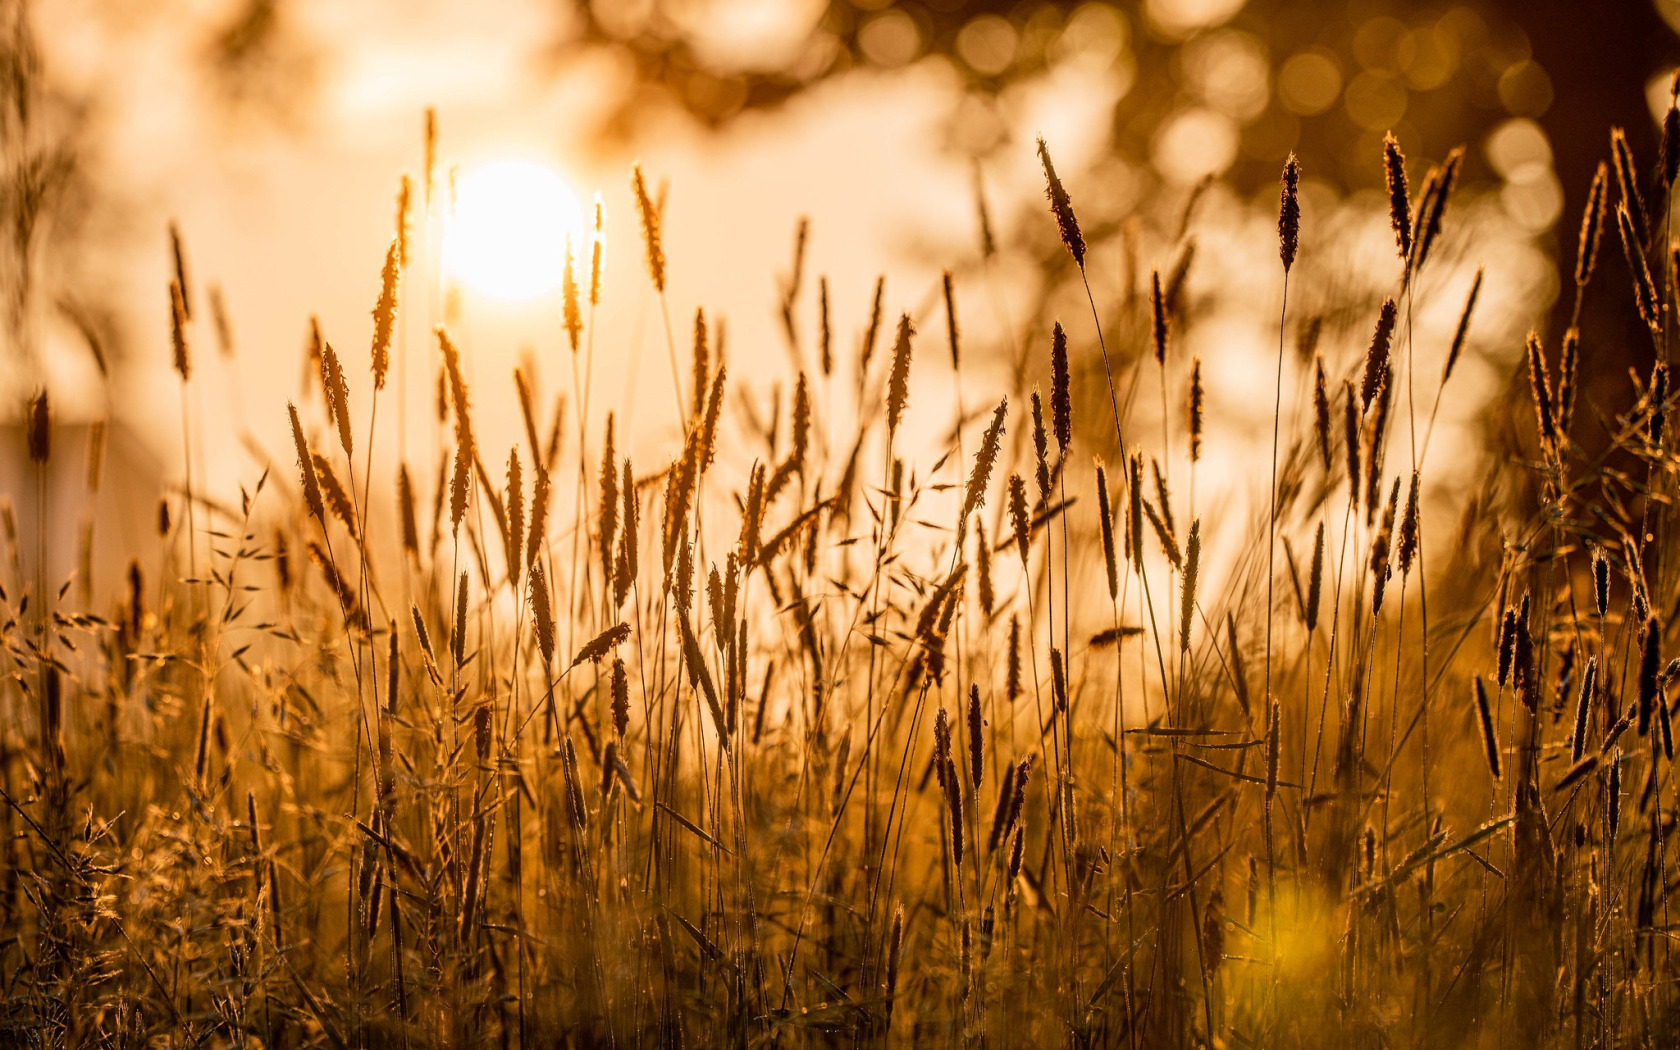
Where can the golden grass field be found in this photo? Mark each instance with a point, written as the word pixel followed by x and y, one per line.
pixel 808 735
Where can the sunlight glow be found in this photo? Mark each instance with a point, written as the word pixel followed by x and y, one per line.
pixel 507 236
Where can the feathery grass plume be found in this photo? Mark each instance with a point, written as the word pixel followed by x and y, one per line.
pixel 1012 669
pixel 650 218
pixel 1062 208
pixel 624 571
pixel 870 333
pixel 1627 181
pixel 1463 330
pixel 38 434
pixel 1433 211
pixel 458 632
pixel 571 314
pixel 1107 518
pixel 1061 392
pixel 1592 228
pixel 898 380
pixel 1169 545
pixel 706 447
pixel 1193 410
pixel 1658 397
pixel 542 613
pixel 514 539
pixel 1192 568
pixel 950 321
pixel 385 309
pixel 1583 709
pixel 825 334
pixel 1601 581
pixel 974 496
pixel 702 363
pixel 1484 717
pixel 1289 213
pixel 178 331
pixel 1159 322
pixel 338 394
pixel 306 467
pixel 1041 450
pixel 1568 378
pixel 1058 679
pixel 608 506
pixel 1321 411
pixel 1407 546
pixel 1315 581
pixel 600 645
pixel 1376 355
pixel 1019 516
pixel 1644 291
pixel 983 565
pixel 338 500
pixel 539 519
pixel 1399 203
pixel 1650 661
pixel 178 255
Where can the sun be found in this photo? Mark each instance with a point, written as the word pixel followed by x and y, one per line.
pixel 507 236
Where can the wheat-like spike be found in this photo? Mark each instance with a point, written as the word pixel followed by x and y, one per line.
pixel 1169 545
pixel 1020 517
pixel 597 248
pixel 1041 449
pixel 514 538
pixel 1583 709
pixel 1321 412
pixel 571 313
pixel 974 497
pixel 38 434
pixel 539 515
pixel 338 394
pixel 976 736
pixel 1193 410
pixel 1061 207
pixel 702 363
pixel 825 333
pixel 1274 732
pixel 1490 736
pixel 1289 213
pixel 1350 438
pixel 1012 667
pixel 607 512
pixel 1627 180
pixel 620 698
pixel 1657 397
pixel 1650 662
pixel 1399 203
pixel 1134 512
pixel 1163 496
pixel 1541 385
pixel 95 472
pixel 706 449
pixel 1601 581
pixel 1192 568
pixel 1432 214
pixel 898 381
pixel 1645 292
pixel 306 464
pixel 542 613
pixel 178 256
pixel 983 566
pixel 1407 545
pixel 1463 330
pixel 1061 396
pixel 1376 355
pixel 650 218
pixel 1159 321
pixel 1106 516
pixel 801 424
pixel 1315 581
pixel 458 635
pixel 602 644
pixel 1592 227
pixel 951 321
pixel 624 572
pixel 867 350
pixel 178 331
pixel 385 309
pixel 1382 542
pixel 1058 679
pixel 1569 361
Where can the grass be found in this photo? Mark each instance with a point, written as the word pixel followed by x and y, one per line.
pixel 820 759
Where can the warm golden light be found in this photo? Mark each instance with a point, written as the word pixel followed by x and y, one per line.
pixel 507 235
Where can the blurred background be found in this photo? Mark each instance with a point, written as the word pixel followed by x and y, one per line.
pixel 274 133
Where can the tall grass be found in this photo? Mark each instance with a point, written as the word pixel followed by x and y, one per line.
pixel 821 760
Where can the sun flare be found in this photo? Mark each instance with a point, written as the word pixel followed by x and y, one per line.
pixel 507 235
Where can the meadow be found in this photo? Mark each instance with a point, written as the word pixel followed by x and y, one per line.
pixel 811 736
